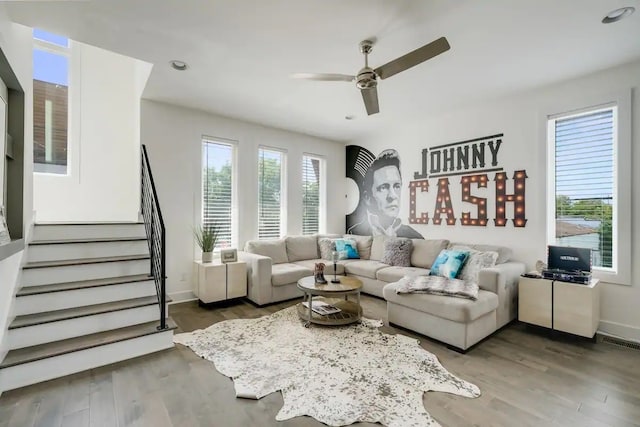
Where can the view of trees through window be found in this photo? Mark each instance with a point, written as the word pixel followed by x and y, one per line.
pixel 270 166
pixel 217 186
pixel 584 177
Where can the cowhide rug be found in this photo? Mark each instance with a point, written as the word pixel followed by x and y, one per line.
pixel 337 375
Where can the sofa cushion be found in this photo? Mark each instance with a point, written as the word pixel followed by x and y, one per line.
pixel 449 263
pixel 347 249
pixel 326 247
pixel 377 247
pixel 425 252
pixel 328 266
pixel 301 247
pixel 363 243
pixel 364 268
pixel 393 274
pixel 460 310
pixel 476 261
pixel 286 273
pixel 397 252
pixel 274 249
pixel 504 253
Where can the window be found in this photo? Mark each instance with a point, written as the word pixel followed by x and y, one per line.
pixel 218 159
pixel 50 102
pixel 311 200
pixel 583 168
pixel 270 193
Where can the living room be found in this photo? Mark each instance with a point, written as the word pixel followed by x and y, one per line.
pixel 508 84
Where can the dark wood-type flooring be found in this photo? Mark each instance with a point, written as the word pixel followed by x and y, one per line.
pixel 526 379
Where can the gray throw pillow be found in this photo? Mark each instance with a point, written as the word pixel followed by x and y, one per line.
pixel 327 246
pixel 397 252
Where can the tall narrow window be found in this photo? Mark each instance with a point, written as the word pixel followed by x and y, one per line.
pixel 311 202
pixel 50 102
pixel 584 176
pixel 217 189
pixel 270 193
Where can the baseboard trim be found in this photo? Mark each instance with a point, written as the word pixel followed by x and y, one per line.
pixel 182 296
pixel 619 330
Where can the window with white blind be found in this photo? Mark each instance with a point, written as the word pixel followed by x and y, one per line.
pixel 218 188
pixel 270 193
pixel 583 154
pixel 311 201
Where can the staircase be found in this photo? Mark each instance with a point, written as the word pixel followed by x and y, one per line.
pixel 86 300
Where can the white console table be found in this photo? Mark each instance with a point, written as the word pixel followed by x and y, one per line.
pixel 560 306
pixel 220 282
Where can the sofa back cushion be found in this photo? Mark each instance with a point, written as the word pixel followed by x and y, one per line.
pixel 377 248
pixel 274 249
pixel 301 248
pixel 504 253
pixel 425 252
pixel 363 243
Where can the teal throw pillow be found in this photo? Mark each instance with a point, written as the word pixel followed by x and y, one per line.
pixel 449 263
pixel 347 249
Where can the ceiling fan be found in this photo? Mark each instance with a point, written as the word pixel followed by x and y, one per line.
pixel 367 78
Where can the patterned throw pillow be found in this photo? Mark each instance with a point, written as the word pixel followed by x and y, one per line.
pixel 397 252
pixel 476 261
pixel 449 263
pixel 327 246
pixel 347 249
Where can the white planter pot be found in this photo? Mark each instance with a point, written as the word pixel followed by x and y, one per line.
pixel 207 256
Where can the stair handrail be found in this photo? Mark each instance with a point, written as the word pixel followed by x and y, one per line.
pixel 155 231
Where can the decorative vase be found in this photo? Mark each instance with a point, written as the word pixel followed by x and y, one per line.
pixel 207 256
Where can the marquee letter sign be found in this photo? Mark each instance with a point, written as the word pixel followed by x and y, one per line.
pixel 472 160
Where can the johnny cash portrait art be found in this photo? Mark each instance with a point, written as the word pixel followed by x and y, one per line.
pixel 379 182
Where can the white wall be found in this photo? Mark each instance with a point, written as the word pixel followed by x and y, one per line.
pixel 104 142
pixel 15 41
pixel 173 136
pixel 520 118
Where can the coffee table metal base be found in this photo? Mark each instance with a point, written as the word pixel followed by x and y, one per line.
pixel 351 312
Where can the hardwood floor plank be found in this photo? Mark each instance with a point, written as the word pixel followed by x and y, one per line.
pixel 526 379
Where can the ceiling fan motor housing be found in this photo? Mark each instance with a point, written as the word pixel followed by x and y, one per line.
pixel 366 79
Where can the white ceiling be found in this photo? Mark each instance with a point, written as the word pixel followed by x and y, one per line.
pixel 241 52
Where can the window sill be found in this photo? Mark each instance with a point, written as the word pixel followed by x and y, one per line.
pixel 608 276
pixel 11 248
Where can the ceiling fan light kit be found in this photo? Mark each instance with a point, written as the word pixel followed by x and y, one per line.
pixel 367 78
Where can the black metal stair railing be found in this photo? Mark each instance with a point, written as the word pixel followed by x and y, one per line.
pixel 154 226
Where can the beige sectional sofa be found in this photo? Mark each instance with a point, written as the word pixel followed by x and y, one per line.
pixel 275 266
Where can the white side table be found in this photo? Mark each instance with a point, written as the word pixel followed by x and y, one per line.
pixel 560 306
pixel 220 282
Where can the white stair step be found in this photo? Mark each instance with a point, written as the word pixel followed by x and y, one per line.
pixel 35 364
pixel 68 249
pixel 61 231
pixel 61 296
pixel 39 328
pixel 43 273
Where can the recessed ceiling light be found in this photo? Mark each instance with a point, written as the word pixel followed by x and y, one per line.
pixel 349 117
pixel 618 14
pixel 178 65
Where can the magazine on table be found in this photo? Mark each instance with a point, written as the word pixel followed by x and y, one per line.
pixel 322 307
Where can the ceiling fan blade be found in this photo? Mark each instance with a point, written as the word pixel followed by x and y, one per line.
pixel 411 59
pixel 324 77
pixel 370 98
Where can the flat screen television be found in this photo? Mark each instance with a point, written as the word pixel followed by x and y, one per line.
pixel 569 258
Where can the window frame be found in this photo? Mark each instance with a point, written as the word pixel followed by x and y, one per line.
pixel 283 191
pixel 72 93
pixel 234 181
pixel 322 194
pixel 620 272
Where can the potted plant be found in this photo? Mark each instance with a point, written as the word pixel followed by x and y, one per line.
pixel 206 237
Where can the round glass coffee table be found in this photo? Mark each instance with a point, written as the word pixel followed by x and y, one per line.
pixel 336 295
